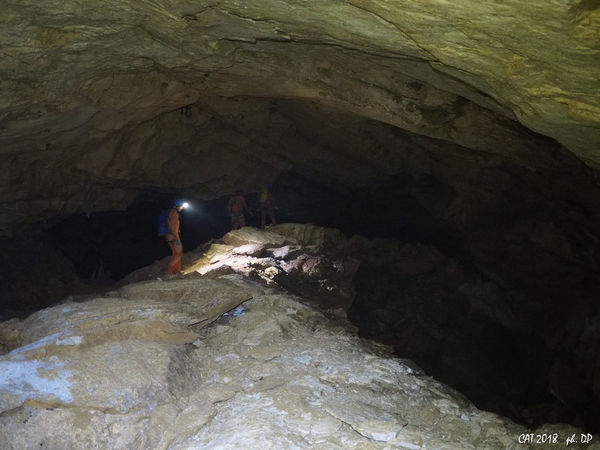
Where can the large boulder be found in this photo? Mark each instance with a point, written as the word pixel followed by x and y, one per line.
pixel 222 363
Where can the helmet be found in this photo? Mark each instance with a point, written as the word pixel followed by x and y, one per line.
pixel 180 204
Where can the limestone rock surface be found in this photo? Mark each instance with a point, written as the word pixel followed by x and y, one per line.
pixel 307 260
pixel 221 363
pixel 477 330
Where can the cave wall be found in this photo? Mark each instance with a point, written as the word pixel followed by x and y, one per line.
pixel 214 146
pixel 515 246
pixel 471 127
pixel 86 88
pixel 527 220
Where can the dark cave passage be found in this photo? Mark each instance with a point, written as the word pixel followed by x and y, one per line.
pixel 511 341
pixel 119 242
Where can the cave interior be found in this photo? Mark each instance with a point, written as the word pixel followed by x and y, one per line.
pixel 353 128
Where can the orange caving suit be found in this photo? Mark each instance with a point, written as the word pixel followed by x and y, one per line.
pixel 174 242
pixel 236 207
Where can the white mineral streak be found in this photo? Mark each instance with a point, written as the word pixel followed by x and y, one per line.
pixel 222 363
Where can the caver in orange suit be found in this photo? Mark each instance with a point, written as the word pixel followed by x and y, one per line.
pixel 236 206
pixel 174 242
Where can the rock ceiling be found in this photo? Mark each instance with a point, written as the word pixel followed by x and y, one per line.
pixel 91 92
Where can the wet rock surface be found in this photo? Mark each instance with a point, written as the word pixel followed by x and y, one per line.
pixel 221 363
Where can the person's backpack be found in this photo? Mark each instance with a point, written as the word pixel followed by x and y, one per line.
pixel 163 226
pixel 264 196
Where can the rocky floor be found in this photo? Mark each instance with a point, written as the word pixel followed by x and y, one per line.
pixel 224 361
